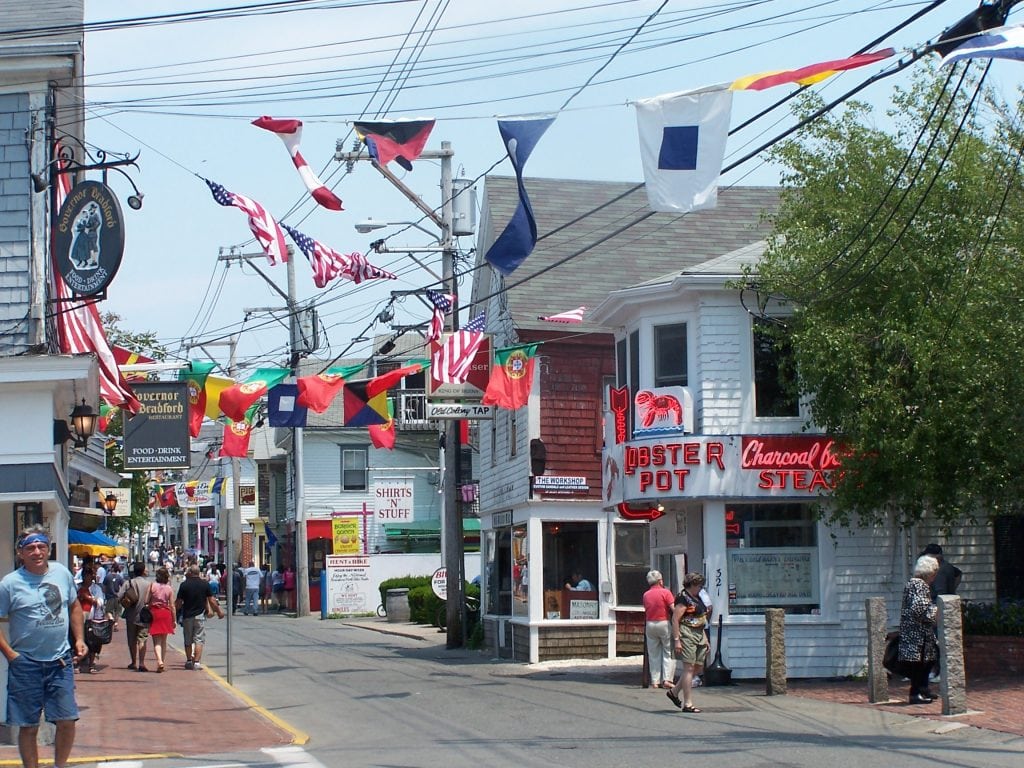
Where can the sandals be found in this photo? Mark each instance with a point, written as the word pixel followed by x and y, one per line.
pixel 674 699
pixel 143 669
pixel 160 668
pixel 691 709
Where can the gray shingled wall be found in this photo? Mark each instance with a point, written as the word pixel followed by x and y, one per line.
pixel 15 197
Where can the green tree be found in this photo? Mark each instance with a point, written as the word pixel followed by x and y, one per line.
pixel 897 253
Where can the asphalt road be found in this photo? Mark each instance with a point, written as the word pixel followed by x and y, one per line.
pixel 371 699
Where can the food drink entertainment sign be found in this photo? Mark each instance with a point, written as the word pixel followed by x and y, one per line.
pixel 157 436
pixel 89 238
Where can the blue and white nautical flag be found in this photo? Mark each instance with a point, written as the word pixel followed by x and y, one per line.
pixel 998 43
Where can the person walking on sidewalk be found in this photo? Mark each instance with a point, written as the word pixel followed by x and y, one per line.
pixel 289 587
pixel 195 602
pixel 136 632
pixel 160 597
pixel 265 589
pixel 252 577
pixel 41 603
pixel 90 597
pixel 111 588
pixel 918 613
pixel 277 589
pixel 689 618
pixel 658 605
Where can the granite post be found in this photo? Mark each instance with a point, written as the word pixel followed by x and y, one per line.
pixel 775 651
pixel 877 623
pixel 953 687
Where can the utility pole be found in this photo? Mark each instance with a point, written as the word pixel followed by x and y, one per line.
pixel 451 514
pixel 298 476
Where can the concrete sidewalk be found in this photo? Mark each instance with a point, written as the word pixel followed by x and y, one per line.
pixel 142 715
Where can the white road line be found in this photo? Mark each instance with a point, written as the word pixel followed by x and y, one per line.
pixel 292 756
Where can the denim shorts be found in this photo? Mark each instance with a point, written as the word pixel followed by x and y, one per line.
pixel 37 686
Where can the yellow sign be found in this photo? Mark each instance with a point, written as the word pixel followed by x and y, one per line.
pixel 346 536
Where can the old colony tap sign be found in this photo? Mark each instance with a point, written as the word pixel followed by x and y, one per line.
pixel 793 466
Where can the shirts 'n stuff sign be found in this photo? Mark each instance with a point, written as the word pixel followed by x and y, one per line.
pixel 89 238
pixel 348 585
pixel 773 576
pixel 346 532
pixel 157 437
pixel 393 501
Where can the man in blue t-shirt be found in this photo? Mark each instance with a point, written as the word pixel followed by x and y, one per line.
pixel 41 603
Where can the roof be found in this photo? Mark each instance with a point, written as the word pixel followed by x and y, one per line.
pixel 610 239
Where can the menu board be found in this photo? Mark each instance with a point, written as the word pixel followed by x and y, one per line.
pixel 773 576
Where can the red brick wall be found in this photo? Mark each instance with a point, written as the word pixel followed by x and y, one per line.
pixel 571 380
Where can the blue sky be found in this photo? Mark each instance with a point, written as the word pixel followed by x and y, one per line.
pixel 184 95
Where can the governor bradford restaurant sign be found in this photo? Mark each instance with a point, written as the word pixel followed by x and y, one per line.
pixel 89 238
pixel 157 436
pixel 791 466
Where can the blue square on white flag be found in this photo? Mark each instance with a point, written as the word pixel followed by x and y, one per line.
pixel 678 148
pixel 282 410
pixel 682 145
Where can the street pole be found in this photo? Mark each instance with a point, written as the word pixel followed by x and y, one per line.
pixel 301 547
pixel 454 560
pixel 234 523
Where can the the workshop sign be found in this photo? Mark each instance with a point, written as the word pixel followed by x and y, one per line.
pixel 89 238
pixel 157 436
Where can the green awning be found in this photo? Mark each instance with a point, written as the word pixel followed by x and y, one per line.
pixel 429 527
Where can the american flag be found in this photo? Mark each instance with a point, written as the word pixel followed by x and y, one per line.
pixel 442 306
pixel 79 330
pixel 328 264
pixel 451 359
pixel 262 224
pixel 572 316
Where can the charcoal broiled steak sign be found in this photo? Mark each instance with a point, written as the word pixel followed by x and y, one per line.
pixel 89 238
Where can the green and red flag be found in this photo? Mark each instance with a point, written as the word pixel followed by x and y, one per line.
pixel 195 378
pixel 235 442
pixel 511 377
pixel 237 399
pixel 383 435
pixel 318 391
pixel 366 402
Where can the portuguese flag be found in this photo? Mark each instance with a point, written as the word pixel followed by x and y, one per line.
pixel 195 376
pixel 318 391
pixel 383 435
pixel 511 377
pixel 236 400
pixel 236 435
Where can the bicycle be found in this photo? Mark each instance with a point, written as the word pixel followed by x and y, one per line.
pixel 472 613
pixel 382 611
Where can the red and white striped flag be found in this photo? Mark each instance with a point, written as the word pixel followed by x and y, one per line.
pixel 290 132
pixel 442 303
pixel 451 359
pixel 572 316
pixel 79 330
pixel 262 224
pixel 328 264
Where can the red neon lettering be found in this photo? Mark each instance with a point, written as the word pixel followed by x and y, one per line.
pixel 691 453
pixel 788 452
pixel 714 454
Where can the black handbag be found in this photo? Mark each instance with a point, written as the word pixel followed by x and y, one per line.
pixel 98 631
pixel 145 615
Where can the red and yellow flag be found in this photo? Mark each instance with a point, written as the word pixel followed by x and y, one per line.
pixel 809 75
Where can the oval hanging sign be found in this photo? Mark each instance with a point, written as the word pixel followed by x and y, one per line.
pixel 89 238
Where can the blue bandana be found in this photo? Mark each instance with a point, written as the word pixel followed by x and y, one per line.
pixel 33 538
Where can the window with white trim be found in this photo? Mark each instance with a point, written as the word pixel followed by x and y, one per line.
pixel 354 469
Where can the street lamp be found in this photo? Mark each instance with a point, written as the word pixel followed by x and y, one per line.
pixel 371 225
pixel 110 503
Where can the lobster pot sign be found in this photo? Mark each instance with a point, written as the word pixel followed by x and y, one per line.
pixel 663 411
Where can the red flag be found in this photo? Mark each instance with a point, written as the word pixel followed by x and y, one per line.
pixel 511 377
pixel 812 73
pixel 235 442
pixel 79 329
pixel 398 140
pixel 262 224
pixel 383 435
pixel 317 392
pixel 128 357
pixel 236 400
pixel 168 497
pixel 290 132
